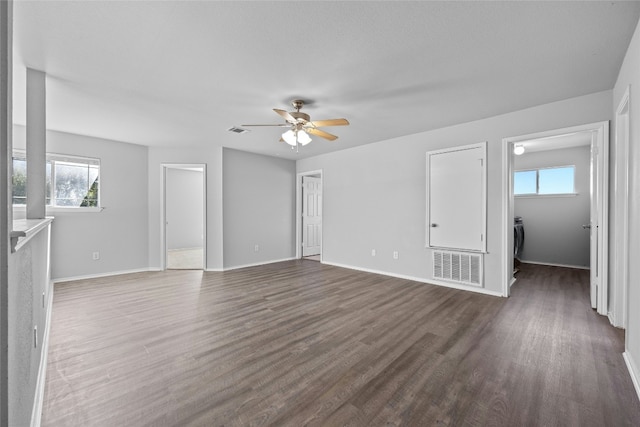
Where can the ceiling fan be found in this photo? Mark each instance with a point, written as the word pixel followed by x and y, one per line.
pixel 301 126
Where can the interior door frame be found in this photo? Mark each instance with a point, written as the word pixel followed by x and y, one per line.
pixel 299 176
pixel 163 210
pixel 600 143
pixel 621 221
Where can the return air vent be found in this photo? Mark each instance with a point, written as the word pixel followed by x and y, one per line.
pixel 459 267
pixel 236 129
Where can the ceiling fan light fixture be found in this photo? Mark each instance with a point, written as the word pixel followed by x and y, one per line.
pixel 290 137
pixel 303 137
pixel 518 150
pixel 300 126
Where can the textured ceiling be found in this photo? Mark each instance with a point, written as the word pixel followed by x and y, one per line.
pixel 181 73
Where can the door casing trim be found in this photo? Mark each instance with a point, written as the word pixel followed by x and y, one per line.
pixel 299 176
pixel 601 141
pixel 163 210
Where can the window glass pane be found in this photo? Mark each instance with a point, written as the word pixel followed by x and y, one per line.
pixel 48 183
pixel 91 198
pixel 556 180
pixel 19 181
pixel 71 183
pixel 524 182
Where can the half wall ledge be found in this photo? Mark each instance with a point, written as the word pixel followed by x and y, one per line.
pixel 25 229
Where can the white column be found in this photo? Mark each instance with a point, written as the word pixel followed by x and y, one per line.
pixel 36 143
pixel 6 221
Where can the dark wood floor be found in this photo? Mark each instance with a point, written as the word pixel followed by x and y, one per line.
pixel 301 343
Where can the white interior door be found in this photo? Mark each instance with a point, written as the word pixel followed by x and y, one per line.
pixel 598 233
pixel 593 228
pixel 311 215
pixel 456 198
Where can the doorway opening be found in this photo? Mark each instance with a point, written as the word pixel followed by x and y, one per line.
pixel 589 231
pixel 309 215
pixel 184 216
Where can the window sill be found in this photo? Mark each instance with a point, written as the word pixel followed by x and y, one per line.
pixel 73 209
pixel 61 209
pixel 537 196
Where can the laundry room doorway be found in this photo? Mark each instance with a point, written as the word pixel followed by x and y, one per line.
pixel 556 196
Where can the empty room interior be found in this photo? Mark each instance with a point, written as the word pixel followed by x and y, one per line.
pixel 298 213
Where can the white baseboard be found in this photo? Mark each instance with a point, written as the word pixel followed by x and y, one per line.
pixel 550 264
pixel 144 270
pixel 235 267
pixel 419 279
pixel 36 412
pixel 612 320
pixel 633 371
pixel 99 275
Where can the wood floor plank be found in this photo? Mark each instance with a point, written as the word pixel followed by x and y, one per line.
pixel 302 343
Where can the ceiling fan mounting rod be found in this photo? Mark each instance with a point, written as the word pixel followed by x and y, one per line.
pixel 297 104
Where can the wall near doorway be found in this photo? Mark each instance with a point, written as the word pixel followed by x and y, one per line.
pixel 553 224
pixel 259 194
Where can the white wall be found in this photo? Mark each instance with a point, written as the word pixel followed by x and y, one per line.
pixel 630 75
pixel 374 195
pixel 259 207
pixel 29 293
pixel 119 232
pixel 552 224
pixel 212 158
pixel 184 208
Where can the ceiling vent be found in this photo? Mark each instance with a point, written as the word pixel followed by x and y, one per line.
pixel 238 130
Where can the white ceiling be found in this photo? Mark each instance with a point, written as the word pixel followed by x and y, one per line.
pixel 180 73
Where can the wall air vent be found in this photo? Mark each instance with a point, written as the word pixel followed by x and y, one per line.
pixel 236 129
pixel 458 267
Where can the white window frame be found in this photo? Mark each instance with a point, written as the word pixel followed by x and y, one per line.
pixel 537 193
pixel 57 157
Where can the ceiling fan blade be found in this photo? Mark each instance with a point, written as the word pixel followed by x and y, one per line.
pixel 330 122
pixel 285 114
pixel 321 134
pixel 285 125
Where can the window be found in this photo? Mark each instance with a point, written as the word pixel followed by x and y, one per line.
pixel 545 181
pixel 70 181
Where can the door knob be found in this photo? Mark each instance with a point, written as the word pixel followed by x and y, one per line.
pixel 585 226
pixel 434 225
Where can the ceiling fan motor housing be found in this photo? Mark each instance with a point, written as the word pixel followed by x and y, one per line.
pixel 300 116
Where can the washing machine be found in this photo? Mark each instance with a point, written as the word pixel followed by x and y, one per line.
pixel 518 237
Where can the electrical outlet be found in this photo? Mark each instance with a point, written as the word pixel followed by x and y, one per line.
pixel 256 248
pixel 96 256
pixel 395 254
pixel 373 252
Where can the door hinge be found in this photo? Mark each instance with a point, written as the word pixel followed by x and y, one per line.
pixel 481 237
